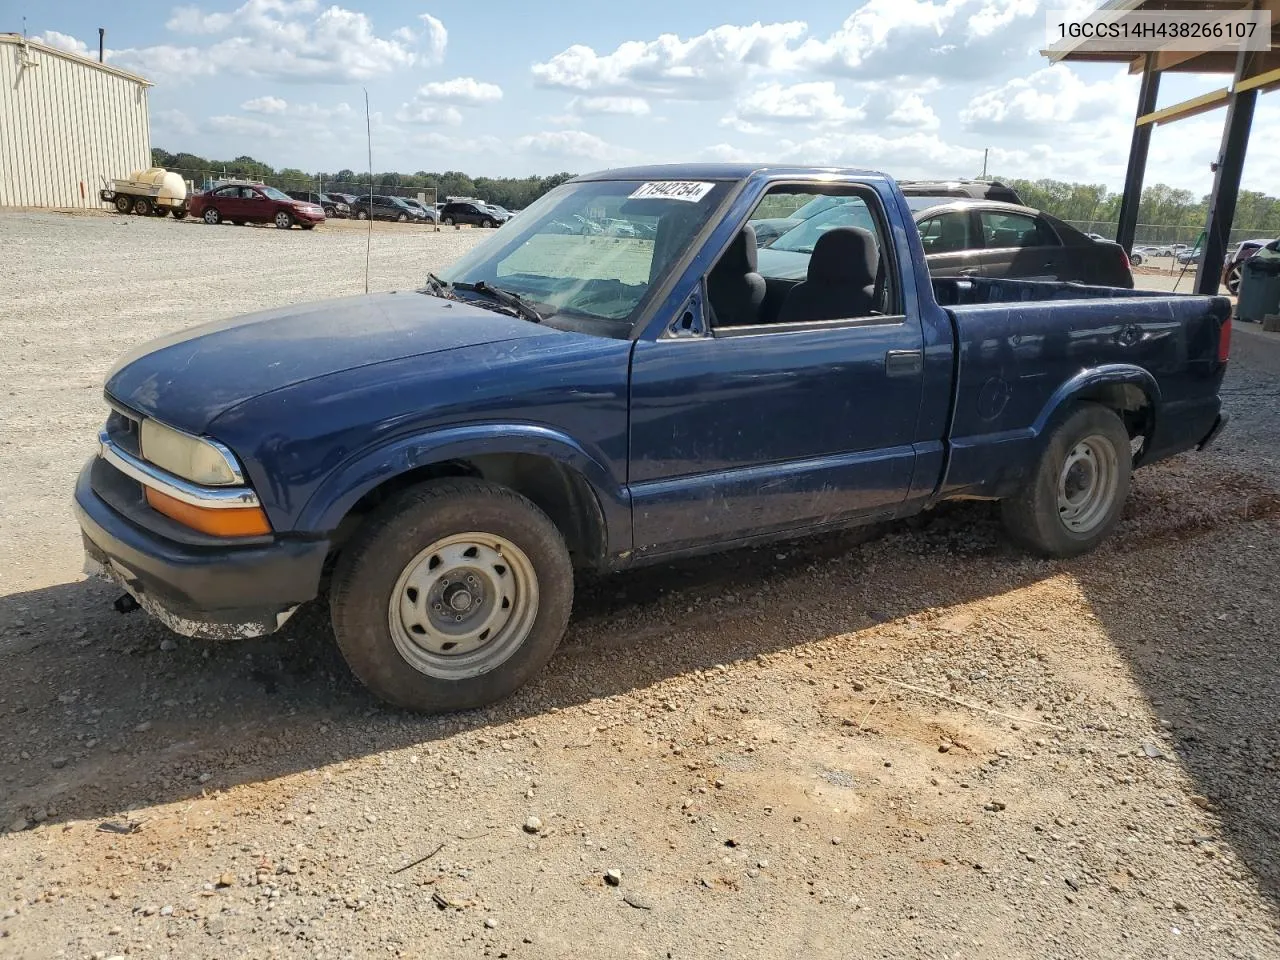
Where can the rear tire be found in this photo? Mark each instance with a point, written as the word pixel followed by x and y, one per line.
pixel 1074 498
pixel 211 216
pixel 362 215
pixel 124 204
pixel 179 213
pixel 488 223
pixel 402 217
pixel 1233 280
pixel 142 207
pixel 448 221
pixel 451 596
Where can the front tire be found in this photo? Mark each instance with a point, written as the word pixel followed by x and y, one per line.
pixel 284 220
pixel 1075 496
pixel 488 224
pixel 179 213
pixel 452 596
pixel 448 221
pixel 362 215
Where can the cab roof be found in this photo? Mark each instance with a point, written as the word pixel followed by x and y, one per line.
pixel 720 171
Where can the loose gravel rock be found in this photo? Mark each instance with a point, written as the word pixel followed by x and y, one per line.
pixel 705 731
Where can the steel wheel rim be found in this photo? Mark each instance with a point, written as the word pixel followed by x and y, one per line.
pixel 463 606
pixel 1233 280
pixel 1087 484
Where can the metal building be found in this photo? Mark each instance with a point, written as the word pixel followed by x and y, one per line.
pixel 66 121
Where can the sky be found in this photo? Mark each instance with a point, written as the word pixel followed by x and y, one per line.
pixel 917 88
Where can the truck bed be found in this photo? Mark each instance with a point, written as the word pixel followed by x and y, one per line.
pixel 1023 345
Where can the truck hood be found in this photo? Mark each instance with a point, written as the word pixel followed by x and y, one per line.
pixel 189 378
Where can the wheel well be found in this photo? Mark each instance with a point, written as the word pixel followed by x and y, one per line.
pixel 1131 403
pixel 560 492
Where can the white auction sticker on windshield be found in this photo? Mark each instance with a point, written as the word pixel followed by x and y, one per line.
pixel 691 191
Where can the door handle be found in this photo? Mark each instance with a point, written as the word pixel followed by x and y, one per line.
pixel 968 272
pixel 903 363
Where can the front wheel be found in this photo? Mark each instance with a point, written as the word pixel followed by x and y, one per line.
pixel 124 204
pixel 362 215
pixel 448 221
pixel 402 217
pixel 179 213
pixel 284 220
pixel 452 596
pixel 488 223
pixel 1073 500
pixel 142 207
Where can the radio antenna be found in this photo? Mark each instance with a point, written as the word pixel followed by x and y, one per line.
pixel 368 244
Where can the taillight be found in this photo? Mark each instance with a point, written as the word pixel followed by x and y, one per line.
pixel 1224 341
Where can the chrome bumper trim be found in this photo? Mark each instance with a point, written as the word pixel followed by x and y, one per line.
pixel 152 476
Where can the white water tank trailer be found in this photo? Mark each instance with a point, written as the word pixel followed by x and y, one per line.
pixel 154 191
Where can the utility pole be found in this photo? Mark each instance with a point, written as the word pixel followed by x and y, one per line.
pixel 985 151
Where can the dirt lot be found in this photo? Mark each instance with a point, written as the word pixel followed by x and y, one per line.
pixel 922 745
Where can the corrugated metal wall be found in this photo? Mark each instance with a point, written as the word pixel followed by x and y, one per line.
pixel 64 123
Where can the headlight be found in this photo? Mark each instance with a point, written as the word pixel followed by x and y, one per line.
pixel 200 461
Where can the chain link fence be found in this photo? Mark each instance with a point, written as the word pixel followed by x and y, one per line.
pixel 206 178
pixel 1158 234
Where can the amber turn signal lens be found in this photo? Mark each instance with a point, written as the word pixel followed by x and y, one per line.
pixel 228 522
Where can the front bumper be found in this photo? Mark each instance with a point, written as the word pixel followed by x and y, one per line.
pixel 210 591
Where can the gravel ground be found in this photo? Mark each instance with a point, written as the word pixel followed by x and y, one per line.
pixel 924 744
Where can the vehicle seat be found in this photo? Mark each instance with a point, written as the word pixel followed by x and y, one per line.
pixel 841 280
pixel 952 239
pixel 734 287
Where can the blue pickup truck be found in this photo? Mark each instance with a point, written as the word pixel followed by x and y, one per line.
pixel 440 462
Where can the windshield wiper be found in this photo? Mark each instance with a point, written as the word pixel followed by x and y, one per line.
pixel 437 287
pixel 505 297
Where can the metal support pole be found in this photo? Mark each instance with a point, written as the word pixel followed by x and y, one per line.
pixel 1132 198
pixel 1226 180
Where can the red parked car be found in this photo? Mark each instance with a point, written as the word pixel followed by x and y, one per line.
pixel 254 203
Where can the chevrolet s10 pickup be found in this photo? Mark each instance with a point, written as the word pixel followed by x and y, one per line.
pixel 437 463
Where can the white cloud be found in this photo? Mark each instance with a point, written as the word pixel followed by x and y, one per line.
pixel 702 67
pixel 899 108
pixel 52 38
pixel 438 102
pixel 171 123
pixel 951 38
pixel 573 144
pixel 266 104
pixel 619 106
pixel 1050 98
pixel 461 90
pixel 815 104
pixel 292 40
pixel 245 127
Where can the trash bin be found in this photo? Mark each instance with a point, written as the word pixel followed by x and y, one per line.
pixel 1260 285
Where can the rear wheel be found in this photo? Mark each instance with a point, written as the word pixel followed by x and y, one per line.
pixel 142 207
pixel 448 221
pixel 1074 498
pixel 1233 280
pixel 362 215
pixel 402 217
pixel 211 216
pixel 284 220
pixel 452 596
pixel 124 204
pixel 488 223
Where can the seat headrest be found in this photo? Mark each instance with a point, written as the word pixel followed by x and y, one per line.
pixel 740 257
pixel 845 255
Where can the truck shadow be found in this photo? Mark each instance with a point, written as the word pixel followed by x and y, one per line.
pixel 105 714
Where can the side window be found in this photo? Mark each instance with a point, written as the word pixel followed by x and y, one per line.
pixel 947 233
pixel 808 253
pixel 248 193
pixel 228 193
pixel 1002 230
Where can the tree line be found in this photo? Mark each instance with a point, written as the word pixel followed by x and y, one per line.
pixel 1165 213
pixel 514 193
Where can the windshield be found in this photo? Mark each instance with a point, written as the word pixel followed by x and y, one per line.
pixel 275 194
pixel 592 249
pixel 849 212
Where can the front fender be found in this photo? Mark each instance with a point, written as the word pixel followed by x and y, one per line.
pixel 1085 380
pixel 343 488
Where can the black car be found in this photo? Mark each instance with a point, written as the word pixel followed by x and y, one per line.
pixel 963 189
pixel 470 211
pixel 333 205
pixel 384 208
pixel 971 238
